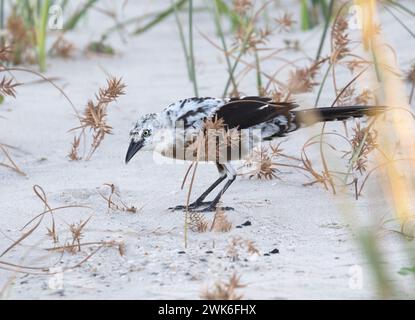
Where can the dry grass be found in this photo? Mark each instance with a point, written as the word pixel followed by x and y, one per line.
pixel 263 166
pixel 63 48
pixel 285 22
pixel 94 118
pixel 76 230
pixel 225 290
pixel 264 162
pixel 22 40
pixel 115 202
pixel 364 141
pixel 8 87
pixel 302 80
pixel 220 221
pixel 237 244
pixel 197 222
pixel 11 165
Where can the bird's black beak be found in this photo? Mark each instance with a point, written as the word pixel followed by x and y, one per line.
pixel 133 149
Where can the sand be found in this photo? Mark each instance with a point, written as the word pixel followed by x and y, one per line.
pixel 319 257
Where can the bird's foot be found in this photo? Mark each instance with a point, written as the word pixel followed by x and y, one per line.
pixel 213 208
pixel 201 207
pixel 193 205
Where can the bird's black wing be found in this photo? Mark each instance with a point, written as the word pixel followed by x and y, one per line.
pixel 251 111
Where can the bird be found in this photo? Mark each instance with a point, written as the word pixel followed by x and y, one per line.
pixel 174 132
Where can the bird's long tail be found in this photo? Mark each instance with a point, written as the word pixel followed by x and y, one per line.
pixel 311 116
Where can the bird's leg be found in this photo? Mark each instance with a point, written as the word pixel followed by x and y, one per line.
pixel 231 175
pixel 199 201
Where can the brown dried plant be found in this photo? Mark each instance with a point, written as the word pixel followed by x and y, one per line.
pixel 302 80
pixel 62 47
pixel 197 222
pixel 364 141
pixel 8 87
pixel 73 154
pixel 220 221
pixel 318 176
pixel 224 290
pixel 410 78
pixel 346 97
pixel 238 243
pixel 12 165
pixel 285 22
pixel 242 6
pixel 262 164
pixel 5 53
pixel 76 230
pixel 364 98
pixel 22 39
pixel 114 201
pixel 341 40
pixel 94 117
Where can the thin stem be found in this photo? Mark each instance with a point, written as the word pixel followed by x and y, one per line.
pixel 191 49
pixel 326 27
pixel 224 45
pixel 258 72
pixel 182 40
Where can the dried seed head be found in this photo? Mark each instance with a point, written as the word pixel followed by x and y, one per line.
pixel 285 22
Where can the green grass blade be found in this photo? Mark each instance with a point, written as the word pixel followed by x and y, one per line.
pixel 41 34
pixel 183 41
pixel 160 17
pixel 223 41
pixel 74 19
pixel 191 50
pixel 305 19
pixel 326 28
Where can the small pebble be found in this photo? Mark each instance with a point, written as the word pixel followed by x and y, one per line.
pixel 247 223
pixel 275 251
pixel 238 227
pixel 181 252
pixel 209 252
pixel 267 254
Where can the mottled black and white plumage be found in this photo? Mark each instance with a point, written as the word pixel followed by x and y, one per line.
pixel 272 119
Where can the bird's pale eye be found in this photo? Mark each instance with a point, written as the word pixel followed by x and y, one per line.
pixel 146 133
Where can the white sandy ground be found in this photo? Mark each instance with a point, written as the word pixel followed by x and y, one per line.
pixel 318 251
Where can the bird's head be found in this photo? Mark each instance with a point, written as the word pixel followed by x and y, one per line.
pixel 142 134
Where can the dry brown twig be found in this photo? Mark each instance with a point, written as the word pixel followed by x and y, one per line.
pixel 13 166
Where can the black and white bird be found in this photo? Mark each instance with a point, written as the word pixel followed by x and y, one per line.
pixel 167 132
